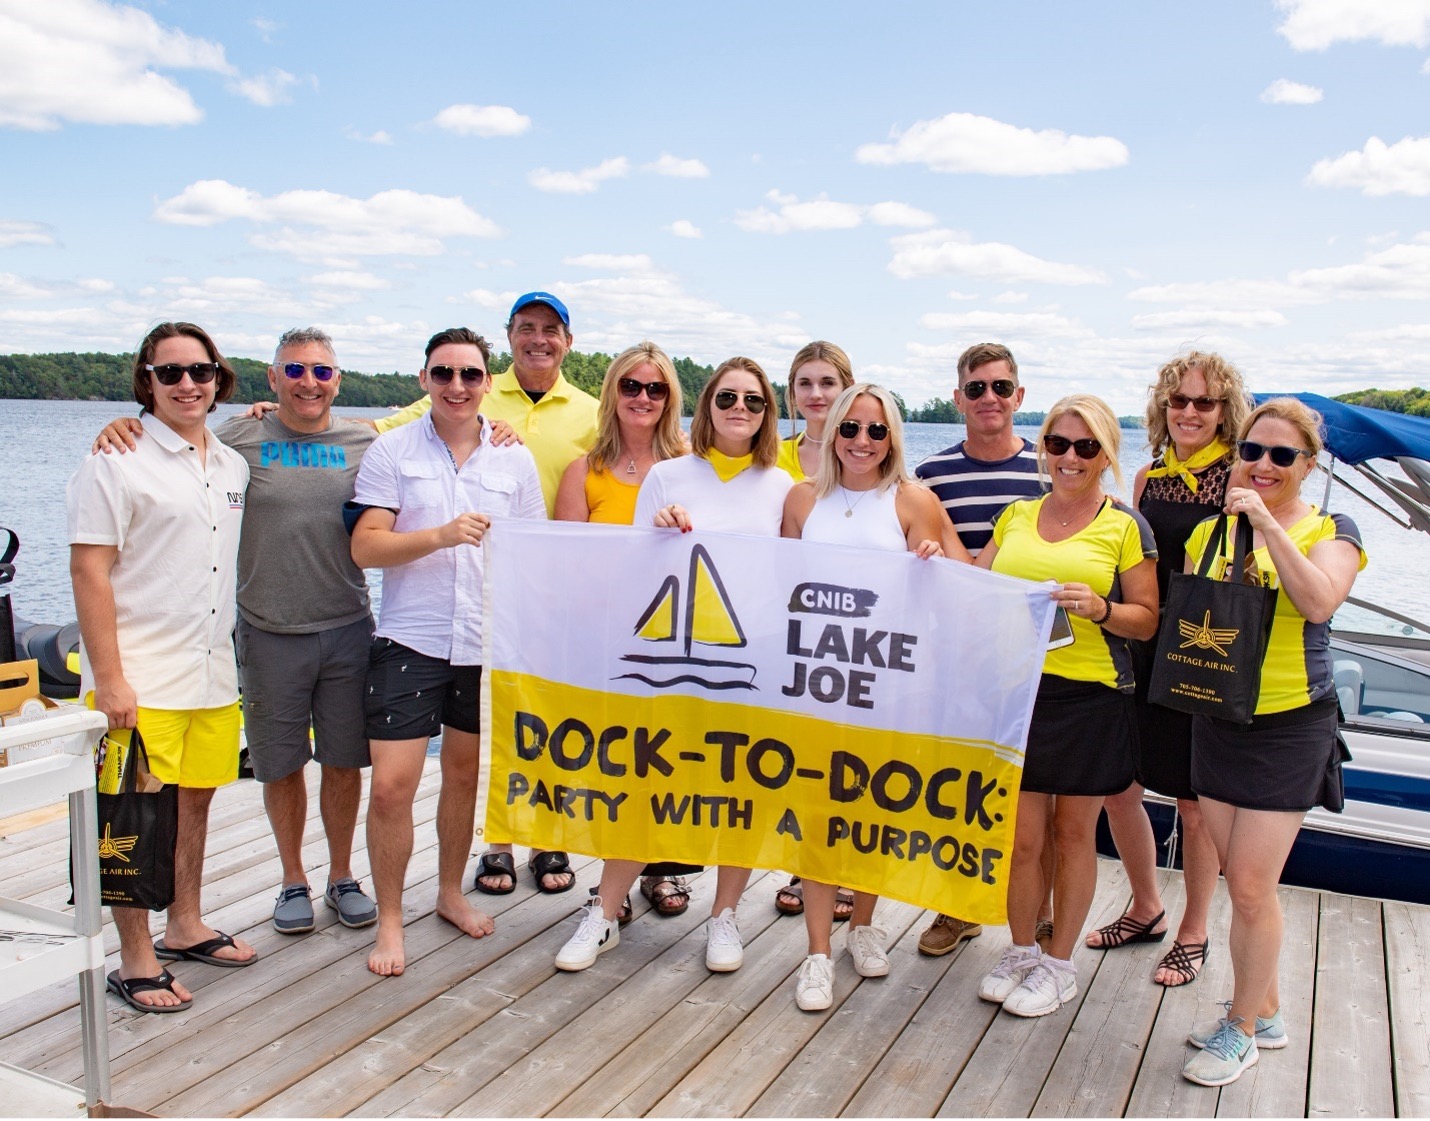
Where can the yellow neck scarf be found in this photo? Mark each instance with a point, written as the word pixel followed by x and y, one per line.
pixel 1197 461
pixel 727 467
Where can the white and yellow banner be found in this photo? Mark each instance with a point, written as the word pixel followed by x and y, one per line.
pixel 853 716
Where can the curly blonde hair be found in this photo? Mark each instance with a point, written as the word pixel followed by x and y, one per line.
pixel 1223 381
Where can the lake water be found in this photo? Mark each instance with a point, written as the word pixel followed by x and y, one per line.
pixel 41 443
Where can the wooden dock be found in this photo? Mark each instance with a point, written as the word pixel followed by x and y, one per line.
pixel 489 1027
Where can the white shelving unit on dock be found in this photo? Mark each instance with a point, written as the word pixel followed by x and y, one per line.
pixel 40 946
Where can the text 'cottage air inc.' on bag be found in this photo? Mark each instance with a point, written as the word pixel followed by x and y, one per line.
pixel 854 716
pixel 138 828
pixel 1213 635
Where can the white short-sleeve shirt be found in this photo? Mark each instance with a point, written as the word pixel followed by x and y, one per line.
pixel 752 502
pixel 434 604
pixel 174 515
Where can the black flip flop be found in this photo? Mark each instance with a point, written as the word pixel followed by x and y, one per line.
pixel 125 990
pixel 552 862
pixel 495 864
pixel 203 951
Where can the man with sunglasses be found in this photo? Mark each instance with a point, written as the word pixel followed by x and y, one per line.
pixel 425 497
pixel 974 480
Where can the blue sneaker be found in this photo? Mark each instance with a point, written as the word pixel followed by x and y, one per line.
pixel 293 910
pixel 355 910
pixel 1270 1032
pixel 1224 1056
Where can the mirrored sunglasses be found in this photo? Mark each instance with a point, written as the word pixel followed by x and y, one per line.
pixel 295 370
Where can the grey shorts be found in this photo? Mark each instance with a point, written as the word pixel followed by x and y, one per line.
pixel 292 682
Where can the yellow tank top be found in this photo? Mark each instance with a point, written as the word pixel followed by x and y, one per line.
pixel 788 458
pixel 611 500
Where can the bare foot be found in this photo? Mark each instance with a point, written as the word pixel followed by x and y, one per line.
pixel 388 958
pixel 458 910
pixel 186 937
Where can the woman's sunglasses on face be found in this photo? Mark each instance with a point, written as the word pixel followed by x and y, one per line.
pixel 1003 387
pixel 200 373
pixel 442 375
pixel 1281 455
pixel 878 431
pixel 726 398
pixel 1058 445
pixel 1179 401
pixel 295 370
pixel 655 390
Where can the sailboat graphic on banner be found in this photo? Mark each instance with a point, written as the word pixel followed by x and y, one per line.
pixel 699 615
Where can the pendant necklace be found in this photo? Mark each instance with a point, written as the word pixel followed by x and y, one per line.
pixel 631 469
pixel 848 506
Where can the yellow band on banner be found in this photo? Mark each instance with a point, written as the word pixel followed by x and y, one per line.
pixel 922 818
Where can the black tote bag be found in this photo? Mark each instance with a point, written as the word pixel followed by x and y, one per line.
pixel 137 834
pixel 1213 636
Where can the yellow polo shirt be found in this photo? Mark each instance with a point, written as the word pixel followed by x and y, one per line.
pixel 558 429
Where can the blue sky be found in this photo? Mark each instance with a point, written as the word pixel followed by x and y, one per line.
pixel 1097 185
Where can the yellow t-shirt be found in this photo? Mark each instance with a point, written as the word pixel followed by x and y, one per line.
pixel 1117 539
pixel 1298 668
pixel 557 430
pixel 611 500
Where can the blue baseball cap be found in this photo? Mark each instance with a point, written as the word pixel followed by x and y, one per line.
pixel 542 298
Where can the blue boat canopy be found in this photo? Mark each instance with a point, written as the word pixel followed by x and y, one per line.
pixel 1355 434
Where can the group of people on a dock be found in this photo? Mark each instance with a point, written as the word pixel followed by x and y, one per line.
pixel 201 558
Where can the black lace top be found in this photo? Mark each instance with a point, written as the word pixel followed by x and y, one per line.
pixel 1173 511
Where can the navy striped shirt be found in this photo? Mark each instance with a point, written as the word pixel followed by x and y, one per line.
pixel 974 490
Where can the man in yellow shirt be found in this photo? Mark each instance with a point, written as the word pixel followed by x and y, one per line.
pixel 555 420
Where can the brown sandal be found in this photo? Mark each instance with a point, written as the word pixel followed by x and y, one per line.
pixel 792 890
pixel 843 905
pixel 1127 931
pixel 1184 960
pixel 668 895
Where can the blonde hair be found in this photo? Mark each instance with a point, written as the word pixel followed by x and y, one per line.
pixel 892 471
pixel 765 446
pixel 1223 381
pixel 669 440
pixel 1306 420
pixel 1101 422
pixel 817 351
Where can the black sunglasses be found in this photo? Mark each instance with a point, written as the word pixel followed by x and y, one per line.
pixel 442 375
pixel 1281 455
pixel 726 398
pixel 1179 401
pixel 1003 387
pixel 655 390
pixel 200 373
pixel 1058 445
pixel 295 370
pixel 878 431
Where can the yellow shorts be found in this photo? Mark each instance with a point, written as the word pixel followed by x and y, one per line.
pixel 196 747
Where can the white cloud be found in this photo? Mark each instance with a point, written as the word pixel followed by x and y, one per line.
pixel 92 62
pixel 582 182
pixel 1379 169
pixel 1208 319
pixel 1006 323
pixel 266 28
pixel 18 288
pixel 941 252
pixel 14 232
pixel 823 213
pixel 1401 272
pixel 1221 293
pixel 381 136
pixel 95 284
pixel 482 120
pixel 612 262
pixel 486 298
pixel 955 294
pixel 267 89
pixel 1011 298
pixel 964 142
pixel 339 227
pixel 677 167
pixel 1314 25
pixel 1283 91
pixel 352 280
pixel 683 227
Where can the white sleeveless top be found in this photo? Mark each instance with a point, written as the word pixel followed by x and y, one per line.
pixel 867 519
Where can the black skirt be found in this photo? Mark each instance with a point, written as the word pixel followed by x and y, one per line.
pixel 1164 735
pixel 1080 740
pixel 1277 762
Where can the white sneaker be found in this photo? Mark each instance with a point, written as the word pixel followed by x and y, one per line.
pixel 593 937
pixel 1046 989
pixel 866 948
pixel 814 986
pixel 723 949
pixel 1015 965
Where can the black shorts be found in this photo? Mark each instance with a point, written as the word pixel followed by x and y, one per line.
pixel 1277 762
pixel 412 696
pixel 1164 735
pixel 1080 740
